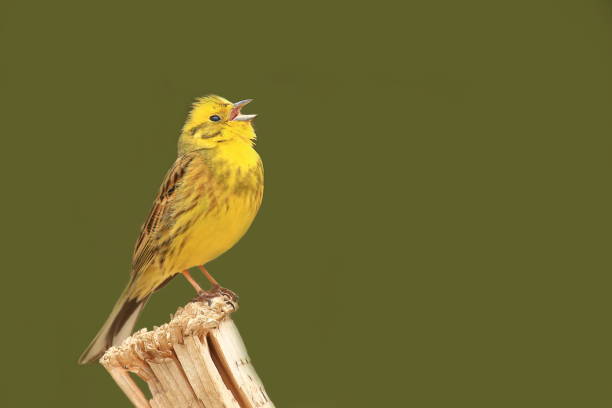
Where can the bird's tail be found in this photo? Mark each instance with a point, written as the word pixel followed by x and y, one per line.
pixel 118 326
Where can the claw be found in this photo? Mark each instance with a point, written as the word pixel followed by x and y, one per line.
pixel 215 291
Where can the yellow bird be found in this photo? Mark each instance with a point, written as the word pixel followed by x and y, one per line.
pixel 205 204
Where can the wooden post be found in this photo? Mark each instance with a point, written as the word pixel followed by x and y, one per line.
pixel 198 359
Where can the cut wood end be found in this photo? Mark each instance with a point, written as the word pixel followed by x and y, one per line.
pixel 194 319
pixel 196 360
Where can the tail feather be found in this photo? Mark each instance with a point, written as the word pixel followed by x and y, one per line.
pixel 118 327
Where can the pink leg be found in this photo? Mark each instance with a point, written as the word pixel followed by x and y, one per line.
pixel 192 281
pixel 209 277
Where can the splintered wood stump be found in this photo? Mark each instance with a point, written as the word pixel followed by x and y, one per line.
pixel 198 359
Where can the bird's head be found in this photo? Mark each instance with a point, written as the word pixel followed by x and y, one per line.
pixel 214 120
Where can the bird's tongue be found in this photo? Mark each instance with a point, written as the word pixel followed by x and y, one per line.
pixel 235 112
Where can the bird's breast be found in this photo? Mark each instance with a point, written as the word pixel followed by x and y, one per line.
pixel 230 200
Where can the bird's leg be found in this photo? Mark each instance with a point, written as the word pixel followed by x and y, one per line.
pixel 192 281
pixel 216 290
pixel 208 276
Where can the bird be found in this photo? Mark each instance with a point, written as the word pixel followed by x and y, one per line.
pixel 206 203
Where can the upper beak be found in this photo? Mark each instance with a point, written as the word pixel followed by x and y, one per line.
pixel 236 115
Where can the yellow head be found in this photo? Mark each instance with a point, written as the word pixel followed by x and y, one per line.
pixel 214 120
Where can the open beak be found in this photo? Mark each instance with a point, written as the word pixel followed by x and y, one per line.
pixel 235 113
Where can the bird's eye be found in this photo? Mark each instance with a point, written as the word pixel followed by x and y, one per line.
pixel 215 118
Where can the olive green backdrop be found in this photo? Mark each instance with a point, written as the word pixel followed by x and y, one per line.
pixel 435 228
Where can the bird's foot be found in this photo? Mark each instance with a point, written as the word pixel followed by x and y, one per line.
pixel 216 291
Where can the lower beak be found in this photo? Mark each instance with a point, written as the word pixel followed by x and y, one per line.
pixel 235 113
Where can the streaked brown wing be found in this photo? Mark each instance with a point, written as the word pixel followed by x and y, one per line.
pixel 161 213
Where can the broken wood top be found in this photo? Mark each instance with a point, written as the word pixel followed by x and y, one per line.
pixel 194 319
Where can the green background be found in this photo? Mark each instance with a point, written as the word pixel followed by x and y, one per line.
pixel 435 228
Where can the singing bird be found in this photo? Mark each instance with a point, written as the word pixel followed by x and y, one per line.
pixel 205 204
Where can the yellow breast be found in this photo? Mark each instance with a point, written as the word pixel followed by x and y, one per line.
pixel 234 196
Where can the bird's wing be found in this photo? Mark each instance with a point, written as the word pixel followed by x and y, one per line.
pixel 163 215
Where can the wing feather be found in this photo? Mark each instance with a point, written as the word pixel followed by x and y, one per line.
pixel 161 215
